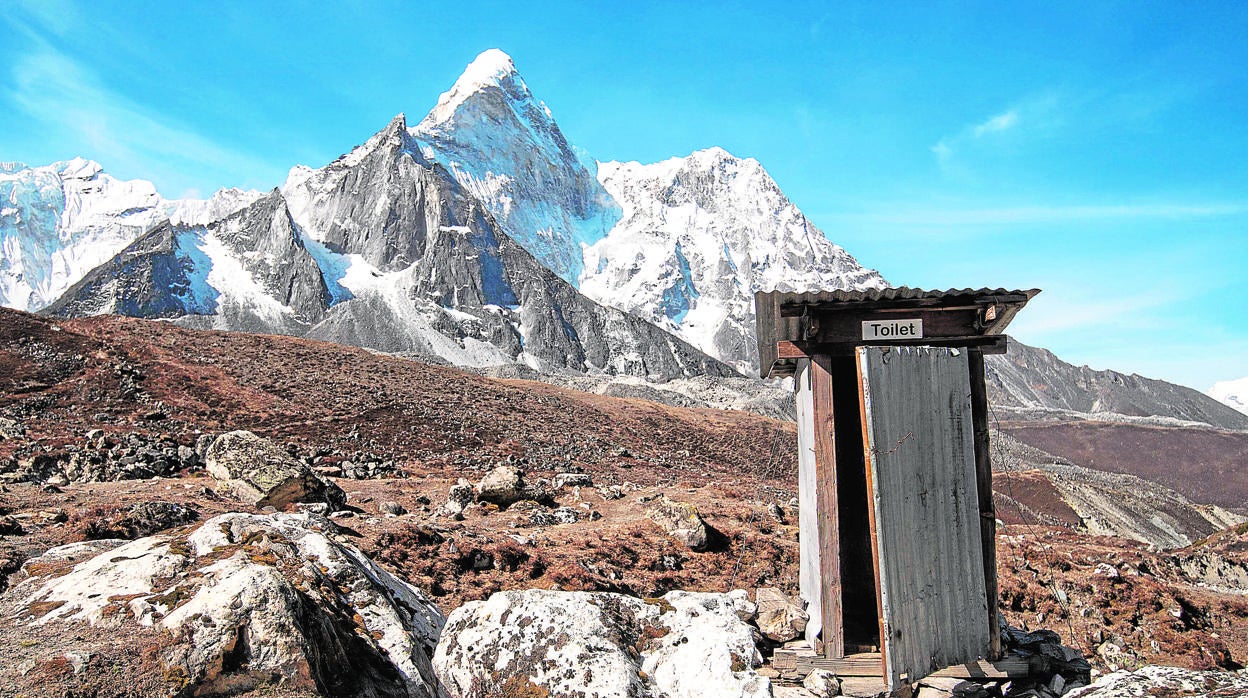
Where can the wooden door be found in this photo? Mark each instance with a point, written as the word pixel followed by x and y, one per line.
pixel 920 458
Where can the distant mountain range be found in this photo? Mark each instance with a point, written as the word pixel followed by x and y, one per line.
pixel 481 237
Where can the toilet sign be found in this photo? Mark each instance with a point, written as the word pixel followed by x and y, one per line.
pixel 876 330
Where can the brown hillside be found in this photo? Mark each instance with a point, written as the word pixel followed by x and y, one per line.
pixel 330 403
pixel 1205 465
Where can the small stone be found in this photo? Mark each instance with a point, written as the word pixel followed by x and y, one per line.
pixel 775 512
pixel 1107 570
pixel 391 509
pixel 822 683
pixel 572 480
pixel 9 526
pixel 261 473
pixel 779 619
pixel 320 508
pixel 503 486
pixel 746 610
pixel 566 515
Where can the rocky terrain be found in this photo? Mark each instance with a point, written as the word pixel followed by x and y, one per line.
pixel 443 487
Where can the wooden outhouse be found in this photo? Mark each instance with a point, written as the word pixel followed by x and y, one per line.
pixel 898 552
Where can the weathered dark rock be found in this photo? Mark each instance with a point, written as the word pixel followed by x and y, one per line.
pixel 682 522
pixel 234 601
pixel 257 471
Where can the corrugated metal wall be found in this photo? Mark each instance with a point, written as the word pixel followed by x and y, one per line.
pixel 921 463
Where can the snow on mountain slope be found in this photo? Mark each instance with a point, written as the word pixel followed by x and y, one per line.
pixel 60 221
pixel 205 211
pixel 423 260
pixel 504 147
pixel 699 236
pixel 247 272
pixel 683 243
pixel 1233 394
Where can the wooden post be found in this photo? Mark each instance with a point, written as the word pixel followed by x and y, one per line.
pixel 983 477
pixel 828 503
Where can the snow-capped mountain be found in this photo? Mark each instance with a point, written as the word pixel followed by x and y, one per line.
pixel 1234 393
pixel 59 221
pixel 381 248
pixel 504 147
pixel 249 271
pixel 683 243
pixel 699 236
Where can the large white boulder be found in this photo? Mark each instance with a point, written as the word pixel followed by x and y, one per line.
pixel 1165 680
pixel 247 598
pixel 707 650
pixel 599 645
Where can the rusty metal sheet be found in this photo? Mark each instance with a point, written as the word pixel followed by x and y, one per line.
pixel 920 455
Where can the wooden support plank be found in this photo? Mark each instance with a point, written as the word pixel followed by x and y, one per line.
pixel 983 482
pixel 867 664
pixel 789 350
pixel 864 399
pixel 767 312
pixel 784 660
pixel 1005 668
pixel 810 580
pixel 828 506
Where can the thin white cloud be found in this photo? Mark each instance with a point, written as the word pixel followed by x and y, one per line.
pixel 1000 122
pixel 1035 114
pixel 66 96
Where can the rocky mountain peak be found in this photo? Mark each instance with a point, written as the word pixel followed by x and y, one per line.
pixel 491 69
pixel 504 147
pixel 81 168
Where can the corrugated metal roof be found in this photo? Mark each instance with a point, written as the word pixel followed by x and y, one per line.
pixel 777 312
pixel 897 293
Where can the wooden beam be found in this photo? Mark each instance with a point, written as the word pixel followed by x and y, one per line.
pixel 797 349
pixel 873 524
pixel 828 506
pixel 868 665
pixel 790 350
pixel 767 314
pixel 983 480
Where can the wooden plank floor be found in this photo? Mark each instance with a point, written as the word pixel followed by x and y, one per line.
pixel 869 665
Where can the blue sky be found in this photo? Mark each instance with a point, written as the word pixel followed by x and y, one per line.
pixel 1096 150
